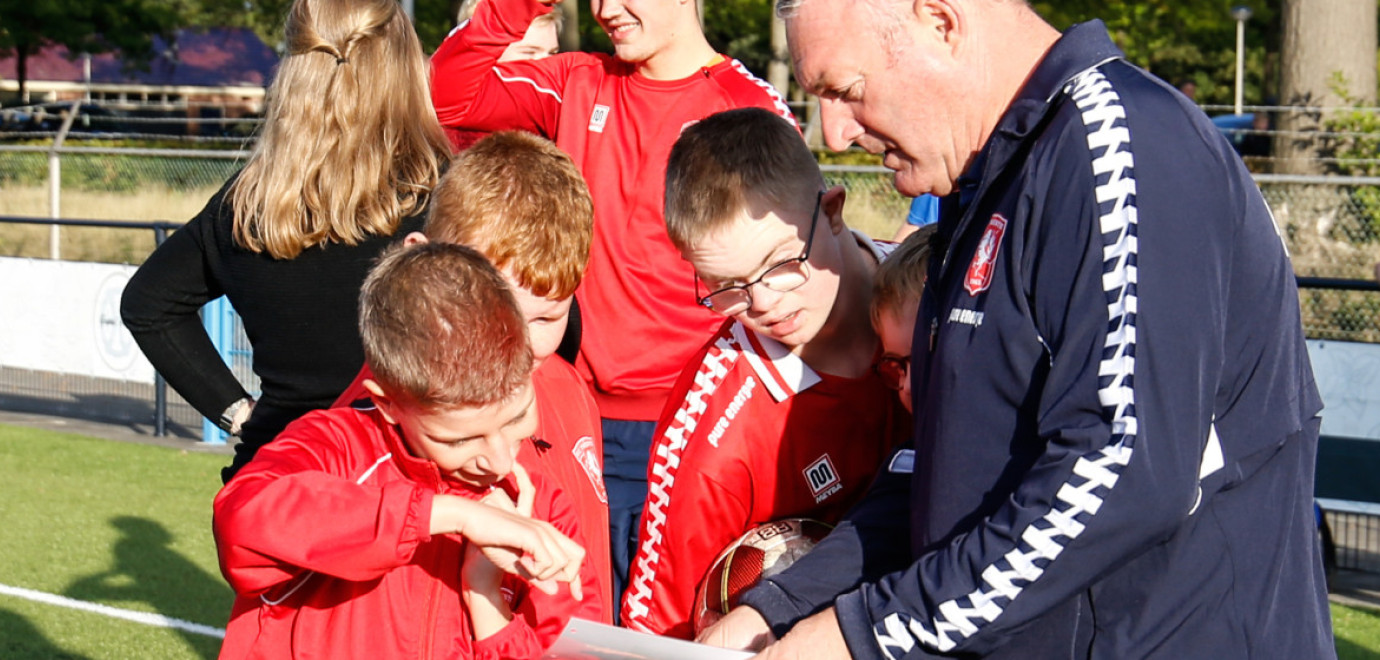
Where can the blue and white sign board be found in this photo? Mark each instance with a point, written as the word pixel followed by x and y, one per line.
pixel 64 317
pixel 1348 376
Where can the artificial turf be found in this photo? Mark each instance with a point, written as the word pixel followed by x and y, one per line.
pixel 119 524
pixel 129 526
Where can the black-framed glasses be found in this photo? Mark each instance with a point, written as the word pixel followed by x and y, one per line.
pixel 788 275
pixel 893 370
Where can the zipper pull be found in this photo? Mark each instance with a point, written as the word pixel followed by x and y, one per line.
pixel 934 332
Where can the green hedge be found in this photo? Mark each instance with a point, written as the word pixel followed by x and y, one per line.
pixel 92 172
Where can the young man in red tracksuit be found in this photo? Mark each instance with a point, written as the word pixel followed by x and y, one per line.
pixel 399 532
pixel 781 415
pixel 519 200
pixel 617 117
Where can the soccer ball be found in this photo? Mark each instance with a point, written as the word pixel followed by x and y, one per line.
pixel 763 551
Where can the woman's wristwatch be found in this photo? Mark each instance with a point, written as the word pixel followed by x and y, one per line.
pixel 233 418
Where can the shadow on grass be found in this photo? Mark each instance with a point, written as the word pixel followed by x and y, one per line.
pixel 20 640
pixel 147 570
pixel 1347 650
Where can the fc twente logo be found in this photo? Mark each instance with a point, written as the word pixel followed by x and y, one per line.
pixel 589 460
pixel 985 259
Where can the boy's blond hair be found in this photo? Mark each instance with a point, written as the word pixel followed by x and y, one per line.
pixel 521 201
pixel 901 277
pixel 734 161
pixel 442 330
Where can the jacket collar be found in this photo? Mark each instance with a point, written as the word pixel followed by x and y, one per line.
pixel 1081 47
pixel 782 372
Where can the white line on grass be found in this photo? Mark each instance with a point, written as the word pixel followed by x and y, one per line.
pixel 145 618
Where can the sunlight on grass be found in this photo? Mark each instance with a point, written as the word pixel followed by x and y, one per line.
pixel 1357 632
pixel 118 524
pixel 152 203
pixel 129 526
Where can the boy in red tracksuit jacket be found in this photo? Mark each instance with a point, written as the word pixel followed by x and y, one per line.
pixel 408 530
pixel 520 201
pixel 781 414
pixel 617 116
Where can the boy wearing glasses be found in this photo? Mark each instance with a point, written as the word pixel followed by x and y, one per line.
pixel 896 290
pixel 781 414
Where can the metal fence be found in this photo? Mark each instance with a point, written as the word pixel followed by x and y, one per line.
pixel 77 166
pixel 155 405
pixel 1351 540
pixel 72 169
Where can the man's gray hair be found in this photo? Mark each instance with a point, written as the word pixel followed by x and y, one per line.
pixel 788 8
pixel 886 14
pixel 886 10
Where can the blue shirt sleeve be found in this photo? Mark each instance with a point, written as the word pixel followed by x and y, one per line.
pixel 924 210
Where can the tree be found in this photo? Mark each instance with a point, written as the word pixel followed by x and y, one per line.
pixel 1328 61
pixel 741 29
pixel 265 17
pixel 434 20
pixel 1181 40
pixel 84 26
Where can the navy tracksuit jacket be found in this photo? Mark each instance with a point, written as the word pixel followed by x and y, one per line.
pixel 1116 419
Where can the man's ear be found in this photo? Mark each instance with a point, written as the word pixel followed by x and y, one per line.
pixel 942 19
pixel 832 205
pixel 382 401
pixel 415 238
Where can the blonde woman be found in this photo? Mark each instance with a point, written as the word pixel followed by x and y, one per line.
pixel 347 156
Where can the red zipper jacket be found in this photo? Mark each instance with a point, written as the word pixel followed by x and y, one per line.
pixel 569 450
pixel 324 538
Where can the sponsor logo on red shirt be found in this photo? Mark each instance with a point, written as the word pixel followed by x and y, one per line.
pixel 598 118
pixel 984 260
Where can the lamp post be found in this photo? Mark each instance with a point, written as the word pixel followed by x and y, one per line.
pixel 1241 13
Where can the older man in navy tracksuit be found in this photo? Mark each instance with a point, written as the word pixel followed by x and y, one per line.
pixel 1116 417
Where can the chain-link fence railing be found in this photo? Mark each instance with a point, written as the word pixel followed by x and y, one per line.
pixel 64 181
pixel 872 205
pixel 1331 224
pixel 81 394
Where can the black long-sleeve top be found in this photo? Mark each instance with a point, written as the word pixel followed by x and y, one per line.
pixel 301 317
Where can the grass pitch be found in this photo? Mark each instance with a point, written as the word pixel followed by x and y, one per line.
pixel 129 526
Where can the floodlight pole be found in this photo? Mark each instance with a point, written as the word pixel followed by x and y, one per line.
pixel 1240 13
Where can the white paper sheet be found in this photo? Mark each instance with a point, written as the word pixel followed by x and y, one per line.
pixel 586 640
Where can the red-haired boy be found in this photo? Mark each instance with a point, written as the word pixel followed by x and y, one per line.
pixel 521 202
